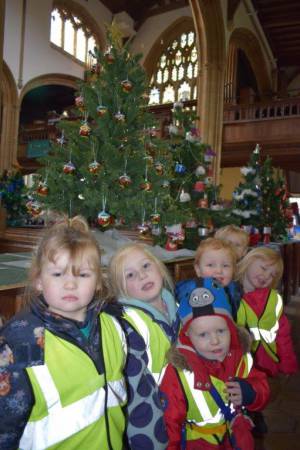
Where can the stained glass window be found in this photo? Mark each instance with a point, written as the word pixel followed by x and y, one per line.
pixel 176 71
pixel 69 32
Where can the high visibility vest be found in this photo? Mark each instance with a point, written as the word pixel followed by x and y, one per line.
pixel 156 340
pixel 204 418
pixel 264 328
pixel 72 399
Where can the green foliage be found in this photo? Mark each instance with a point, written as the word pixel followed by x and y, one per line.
pixel 13 197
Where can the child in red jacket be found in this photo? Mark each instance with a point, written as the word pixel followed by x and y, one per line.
pixel 261 311
pixel 210 379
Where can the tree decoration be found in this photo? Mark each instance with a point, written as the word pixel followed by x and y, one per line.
pixel 104 217
pixel 126 85
pixel 69 168
pixel 94 167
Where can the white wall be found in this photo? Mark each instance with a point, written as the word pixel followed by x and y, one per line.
pixel 39 57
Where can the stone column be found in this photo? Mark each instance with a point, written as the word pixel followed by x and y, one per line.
pixel 2 17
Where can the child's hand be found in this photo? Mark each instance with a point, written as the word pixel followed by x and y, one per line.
pixel 234 392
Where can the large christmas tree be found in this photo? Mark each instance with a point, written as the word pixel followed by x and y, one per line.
pixel 108 164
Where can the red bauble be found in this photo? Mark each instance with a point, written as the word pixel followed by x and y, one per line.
pixel 125 181
pixel 109 57
pixel 146 186
pixel 103 219
pixel 171 245
pixel 69 168
pixel 94 167
pixel 101 110
pixel 43 189
pixel 126 85
pixel 84 130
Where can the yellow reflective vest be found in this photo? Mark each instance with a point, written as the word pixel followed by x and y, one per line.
pixel 74 407
pixel 264 329
pixel 204 419
pixel 157 342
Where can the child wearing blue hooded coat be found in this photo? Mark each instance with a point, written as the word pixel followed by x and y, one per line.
pixel 143 286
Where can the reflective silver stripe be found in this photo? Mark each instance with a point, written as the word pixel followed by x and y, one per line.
pixel 63 422
pixel 159 376
pixel 201 403
pixel 249 361
pixel 144 331
pixel 120 333
pixel 269 336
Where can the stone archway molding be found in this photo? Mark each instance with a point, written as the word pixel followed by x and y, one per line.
pixel 45 80
pixel 248 42
pixel 9 120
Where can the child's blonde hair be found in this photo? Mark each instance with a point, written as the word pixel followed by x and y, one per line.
pixel 117 272
pixel 73 236
pixel 222 233
pixel 265 254
pixel 213 243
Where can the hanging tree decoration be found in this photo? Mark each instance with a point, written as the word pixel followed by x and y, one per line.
pixel 43 189
pixel 101 109
pixel 125 180
pixel 155 216
pixel 104 218
pixel 95 166
pixel 143 228
pixel 69 167
pixel 146 185
pixel 85 129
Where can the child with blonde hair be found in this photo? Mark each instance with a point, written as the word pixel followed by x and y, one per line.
pixel 261 311
pixel 238 237
pixel 214 259
pixel 143 286
pixel 62 358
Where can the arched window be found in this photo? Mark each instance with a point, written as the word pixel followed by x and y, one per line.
pixel 176 71
pixel 71 33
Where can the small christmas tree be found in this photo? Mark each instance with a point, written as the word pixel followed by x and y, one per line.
pixel 274 203
pixel 109 165
pixel 247 197
pixel 13 195
pixel 192 186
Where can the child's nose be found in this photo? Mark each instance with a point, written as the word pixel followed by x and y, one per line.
pixel 214 339
pixel 70 282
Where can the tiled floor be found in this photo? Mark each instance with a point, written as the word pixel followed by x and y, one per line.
pixel 283 412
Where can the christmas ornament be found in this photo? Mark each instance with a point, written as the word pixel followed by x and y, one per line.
pixel 34 208
pixel 103 219
pixel 84 130
pixel 199 186
pixel 175 232
pixel 143 228
pixel 155 218
pixel 191 223
pixel 79 102
pixel 200 171
pixel 69 168
pixel 43 189
pixel 267 235
pixel 180 168
pixel 173 129
pixel 159 168
pixel 125 180
pixel 203 231
pixel 94 167
pixel 146 186
pixel 208 180
pixel 203 202
pixel 184 197
pixel 171 245
pixel 165 184
pixel 101 110
pixel 81 197
pixel 178 105
pixel 126 85
pixel 119 117
pixel 209 155
pixel 95 69
pixel 109 57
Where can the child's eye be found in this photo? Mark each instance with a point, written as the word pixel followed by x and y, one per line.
pixel 84 274
pixel 203 335
pixel 129 275
pixel 146 265
pixel 56 274
pixel 221 330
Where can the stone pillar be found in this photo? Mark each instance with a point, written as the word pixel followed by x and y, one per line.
pixel 2 17
pixel 209 26
pixel 230 75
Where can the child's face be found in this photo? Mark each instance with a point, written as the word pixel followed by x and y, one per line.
pixel 217 264
pixel 142 277
pixel 259 274
pixel 238 243
pixel 66 294
pixel 210 337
